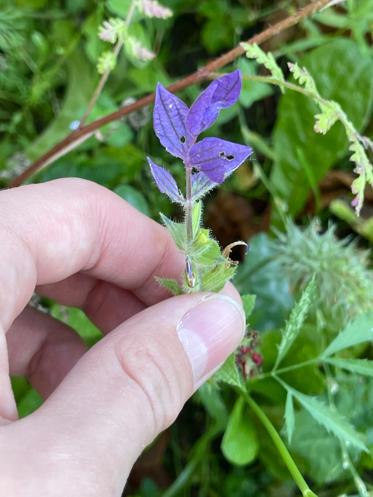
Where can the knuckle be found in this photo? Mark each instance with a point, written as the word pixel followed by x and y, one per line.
pixel 152 366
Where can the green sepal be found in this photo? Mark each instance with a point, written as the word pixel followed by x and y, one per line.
pixel 214 279
pixel 176 230
pixel 171 285
pixel 196 218
pixel 205 250
pixel 229 374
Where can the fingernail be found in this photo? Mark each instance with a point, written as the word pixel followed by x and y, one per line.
pixel 209 332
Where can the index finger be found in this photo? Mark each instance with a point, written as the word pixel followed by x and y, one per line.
pixel 53 230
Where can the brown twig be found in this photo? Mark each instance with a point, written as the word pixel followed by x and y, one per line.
pixel 81 134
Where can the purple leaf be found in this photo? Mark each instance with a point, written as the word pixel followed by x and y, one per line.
pixel 221 93
pixel 165 182
pixel 169 122
pixel 217 158
pixel 201 184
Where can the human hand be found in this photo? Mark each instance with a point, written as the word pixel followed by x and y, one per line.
pixel 83 246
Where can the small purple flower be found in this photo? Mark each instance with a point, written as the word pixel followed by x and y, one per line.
pixel 178 127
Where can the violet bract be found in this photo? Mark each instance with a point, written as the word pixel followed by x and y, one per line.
pixel 208 162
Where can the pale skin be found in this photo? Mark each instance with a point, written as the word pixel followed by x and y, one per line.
pixel 83 246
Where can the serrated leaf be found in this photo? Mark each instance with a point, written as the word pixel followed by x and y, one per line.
pixel 229 374
pixel 296 320
pixel 321 451
pixel 359 366
pixel 359 331
pixel 253 51
pixel 106 62
pixel 330 419
pixel 248 302
pixel 239 444
pixel 296 173
pixel 289 416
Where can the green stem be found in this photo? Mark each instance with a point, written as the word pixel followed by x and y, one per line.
pixel 188 204
pixel 198 453
pixel 281 447
pixel 286 369
pixel 106 74
pixel 189 273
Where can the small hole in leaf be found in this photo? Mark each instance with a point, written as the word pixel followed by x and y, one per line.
pixel 222 154
pixel 182 139
pixel 230 157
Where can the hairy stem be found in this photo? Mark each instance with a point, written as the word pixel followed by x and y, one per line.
pixel 281 447
pixel 100 86
pixel 188 204
pixel 105 75
pixel 190 277
pixel 77 136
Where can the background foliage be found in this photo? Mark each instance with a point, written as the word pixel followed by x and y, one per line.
pixel 309 259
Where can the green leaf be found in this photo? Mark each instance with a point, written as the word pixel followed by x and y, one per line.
pixel 205 250
pixel 229 374
pixel 211 398
pixel 134 197
pixel 177 231
pixel 252 91
pixel 289 416
pixel 302 156
pixel 296 320
pixel 358 331
pixel 27 398
pixel 319 450
pixel 330 419
pixel 261 274
pixel 248 302
pixel 239 444
pixel 253 51
pixel 170 284
pixel 213 280
pixel 77 320
pixel 196 217
pixel 359 366
pixel 119 7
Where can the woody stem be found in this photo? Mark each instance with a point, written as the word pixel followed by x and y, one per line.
pixel 78 136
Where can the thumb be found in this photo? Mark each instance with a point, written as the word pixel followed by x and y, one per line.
pixel 133 383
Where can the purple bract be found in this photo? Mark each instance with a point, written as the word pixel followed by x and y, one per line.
pixel 178 127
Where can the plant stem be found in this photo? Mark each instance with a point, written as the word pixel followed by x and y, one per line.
pixel 281 447
pixel 77 136
pixel 273 374
pixel 105 75
pixel 196 457
pixel 99 87
pixel 190 276
pixel 188 204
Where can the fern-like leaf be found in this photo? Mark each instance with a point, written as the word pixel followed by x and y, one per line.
pixel 253 51
pixel 296 320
